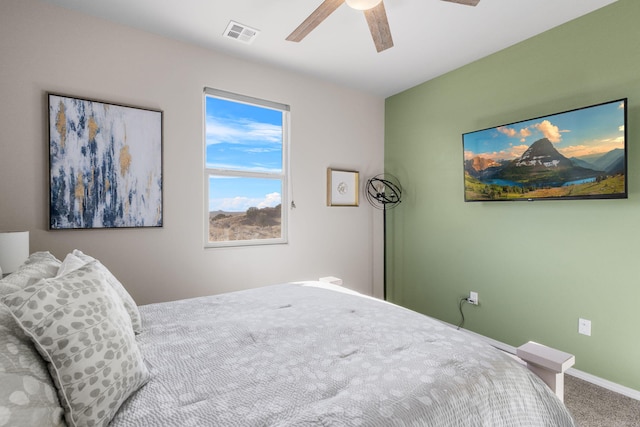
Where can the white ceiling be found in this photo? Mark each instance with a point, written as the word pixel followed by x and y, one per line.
pixel 431 37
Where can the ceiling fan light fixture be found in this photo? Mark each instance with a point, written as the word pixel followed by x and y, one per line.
pixel 362 4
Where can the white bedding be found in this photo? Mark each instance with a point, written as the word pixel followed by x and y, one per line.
pixel 301 355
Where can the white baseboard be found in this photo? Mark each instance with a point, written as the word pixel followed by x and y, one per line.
pixel 601 382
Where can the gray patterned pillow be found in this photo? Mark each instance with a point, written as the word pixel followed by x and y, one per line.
pixel 27 395
pixel 82 330
pixel 39 265
pixel 127 300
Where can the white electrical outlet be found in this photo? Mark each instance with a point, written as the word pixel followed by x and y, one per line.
pixel 473 298
pixel 584 326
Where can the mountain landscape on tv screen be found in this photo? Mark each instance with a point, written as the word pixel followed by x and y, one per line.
pixel 542 172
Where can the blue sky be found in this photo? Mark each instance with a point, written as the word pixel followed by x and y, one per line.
pixel 243 137
pixel 579 133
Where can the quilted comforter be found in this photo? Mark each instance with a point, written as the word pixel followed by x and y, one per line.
pixel 304 355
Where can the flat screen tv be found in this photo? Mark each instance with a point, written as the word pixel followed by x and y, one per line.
pixel 576 154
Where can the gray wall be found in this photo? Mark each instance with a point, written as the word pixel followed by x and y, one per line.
pixel 48 49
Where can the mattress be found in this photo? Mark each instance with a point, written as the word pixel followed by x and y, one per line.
pixel 305 354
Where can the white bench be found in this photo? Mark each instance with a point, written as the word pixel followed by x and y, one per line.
pixel 548 363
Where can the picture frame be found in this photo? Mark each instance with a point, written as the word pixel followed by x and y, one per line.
pixel 105 164
pixel 342 187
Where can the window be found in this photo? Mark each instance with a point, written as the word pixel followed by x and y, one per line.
pixel 246 171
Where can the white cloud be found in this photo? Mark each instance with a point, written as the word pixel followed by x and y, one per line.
pixel 550 131
pixel 524 133
pixel 598 147
pixel 242 132
pixel 521 134
pixel 241 204
pixel 510 132
pixel 270 200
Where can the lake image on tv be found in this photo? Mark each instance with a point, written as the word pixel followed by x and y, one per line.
pixel 575 154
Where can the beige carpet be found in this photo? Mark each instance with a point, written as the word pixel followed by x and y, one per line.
pixel 594 406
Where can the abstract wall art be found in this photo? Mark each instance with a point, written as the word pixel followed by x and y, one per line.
pixel 105 165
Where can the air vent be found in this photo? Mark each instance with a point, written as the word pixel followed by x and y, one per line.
pixel 240 32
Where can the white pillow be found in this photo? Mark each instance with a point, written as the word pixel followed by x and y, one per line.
pixel 38 266
pixel 77 259
pixel 80 327
pixel 70 263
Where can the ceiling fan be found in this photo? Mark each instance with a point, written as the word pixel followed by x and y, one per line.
pixel 374 12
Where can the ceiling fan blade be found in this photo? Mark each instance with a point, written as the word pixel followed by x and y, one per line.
pixel 466 2
pixel 317 16
pixel 379 27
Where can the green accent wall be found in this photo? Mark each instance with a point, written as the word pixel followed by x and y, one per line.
pixel 537 266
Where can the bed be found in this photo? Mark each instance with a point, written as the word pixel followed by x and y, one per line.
pixel 295 354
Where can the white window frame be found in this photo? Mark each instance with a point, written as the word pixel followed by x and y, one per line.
pixel 283 176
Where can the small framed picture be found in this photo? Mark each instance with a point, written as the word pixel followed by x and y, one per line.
pixel 342 187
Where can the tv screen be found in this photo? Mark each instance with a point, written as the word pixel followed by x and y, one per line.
pixel 577 154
